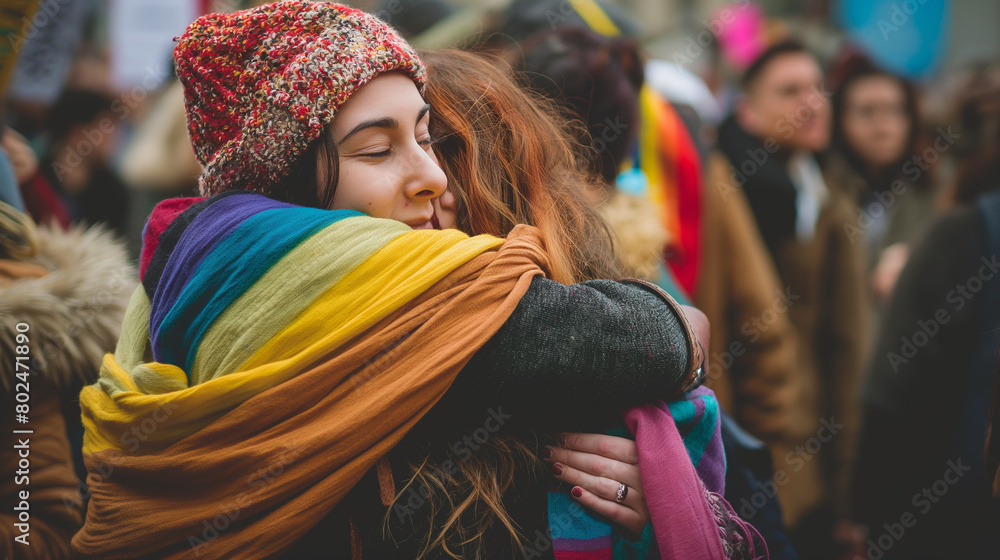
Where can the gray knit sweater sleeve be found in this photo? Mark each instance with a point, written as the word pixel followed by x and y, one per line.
pixel 590 348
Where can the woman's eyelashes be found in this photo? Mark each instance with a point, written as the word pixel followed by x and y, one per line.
pixel 423 134
pixel 377 155
pixel 426 142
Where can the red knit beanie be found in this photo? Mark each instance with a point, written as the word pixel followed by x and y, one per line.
pixel 260 85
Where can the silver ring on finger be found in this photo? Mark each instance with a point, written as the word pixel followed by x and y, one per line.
pixel 622 493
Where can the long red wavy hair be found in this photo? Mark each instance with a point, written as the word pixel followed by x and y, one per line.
pixel 510 161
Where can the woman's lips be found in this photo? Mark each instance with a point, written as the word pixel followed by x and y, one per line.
pixel 432 223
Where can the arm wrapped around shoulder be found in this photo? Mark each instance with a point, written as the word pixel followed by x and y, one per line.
pixel 572 352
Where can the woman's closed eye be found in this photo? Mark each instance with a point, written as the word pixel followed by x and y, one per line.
pixel 377 155
pixel 426 142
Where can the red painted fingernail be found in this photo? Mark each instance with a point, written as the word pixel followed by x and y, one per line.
pixel 557 469
pixel 546 452
pixel 577 492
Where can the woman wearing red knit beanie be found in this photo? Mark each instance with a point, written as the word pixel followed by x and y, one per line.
pixel 261 413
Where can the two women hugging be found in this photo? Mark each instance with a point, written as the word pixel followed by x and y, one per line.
pixel 386 253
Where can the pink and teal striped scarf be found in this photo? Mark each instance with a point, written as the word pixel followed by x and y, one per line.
pixel 683 467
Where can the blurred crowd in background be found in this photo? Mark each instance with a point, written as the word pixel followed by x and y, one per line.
pixel 819 177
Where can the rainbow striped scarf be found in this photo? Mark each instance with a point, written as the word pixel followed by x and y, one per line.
pixel 268 334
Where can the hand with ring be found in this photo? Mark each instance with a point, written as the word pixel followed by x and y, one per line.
pixel 604 472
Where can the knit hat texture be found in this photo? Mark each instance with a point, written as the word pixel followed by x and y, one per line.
pixel 260 85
